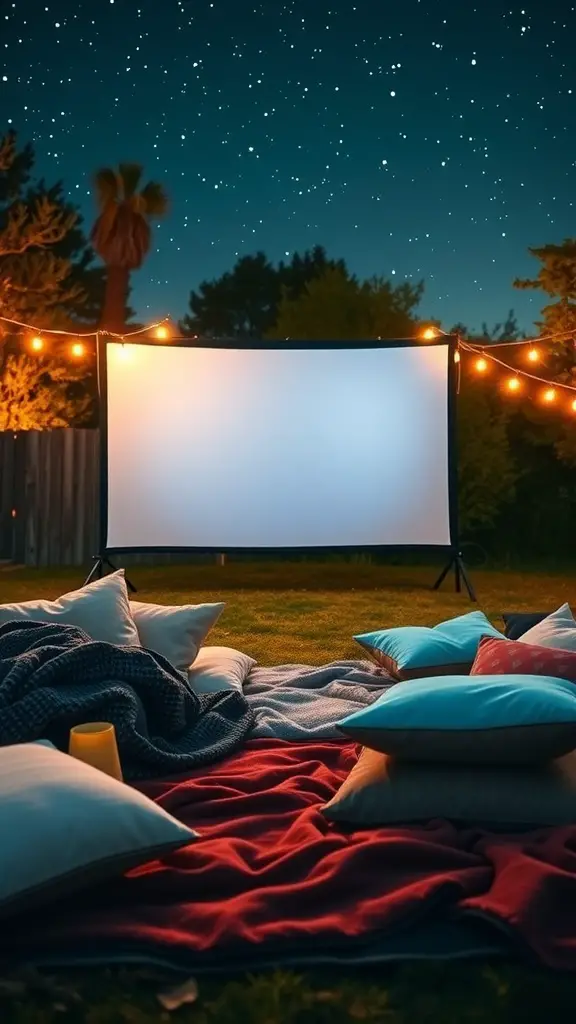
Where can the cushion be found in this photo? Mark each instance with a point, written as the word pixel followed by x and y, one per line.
pixel 517 623
pixel 556 630
pixel 66 826
pixel 101 609
pixel 175 631
pixel 220 668
pixel 410 652
pixel 493 719
pixel 383 790
pixel 503 657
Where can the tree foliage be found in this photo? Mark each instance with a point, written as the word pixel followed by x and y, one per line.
pixel 487 470
pixel 339 307
pixel 40 394
pixel 121 234
pixel 243 303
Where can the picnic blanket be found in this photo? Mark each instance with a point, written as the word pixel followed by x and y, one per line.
pixel 304 702
pixel 53 677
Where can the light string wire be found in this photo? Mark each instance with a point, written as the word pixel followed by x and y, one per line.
pixel 477 350
pixel 83 334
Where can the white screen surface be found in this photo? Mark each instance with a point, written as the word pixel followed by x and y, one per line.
pixel 263 448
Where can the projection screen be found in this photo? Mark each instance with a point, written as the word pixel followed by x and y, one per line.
pixel 311 446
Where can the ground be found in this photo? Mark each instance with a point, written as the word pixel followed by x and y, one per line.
pixel 304 612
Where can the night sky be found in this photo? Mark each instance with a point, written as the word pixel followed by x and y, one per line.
pixel 419 139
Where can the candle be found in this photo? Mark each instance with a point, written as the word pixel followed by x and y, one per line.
pixel 95 744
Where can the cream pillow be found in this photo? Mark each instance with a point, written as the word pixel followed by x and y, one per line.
pixel 220 668
pixel 175 631
pixel 101 609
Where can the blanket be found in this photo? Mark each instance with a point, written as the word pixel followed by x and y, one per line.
pixel 271 879
pixel 301 702
pixel 53 677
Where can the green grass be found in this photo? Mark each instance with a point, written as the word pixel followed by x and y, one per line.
pixel 302 612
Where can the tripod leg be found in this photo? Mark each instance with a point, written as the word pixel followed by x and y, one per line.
pixel 467 581
pixel 443 574
pixel 458 575
pixel 95 572
pixel 130 585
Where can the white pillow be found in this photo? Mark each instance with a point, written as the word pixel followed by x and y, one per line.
pixel 220 668
pixel 556 630
pixel 66 826
pixel 175 631
pixel 102 609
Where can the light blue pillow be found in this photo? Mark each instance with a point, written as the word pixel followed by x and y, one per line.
pixel 499 719
pixel 411 652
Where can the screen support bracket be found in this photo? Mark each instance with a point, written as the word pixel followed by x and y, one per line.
pixel 460 575
pixel 96 572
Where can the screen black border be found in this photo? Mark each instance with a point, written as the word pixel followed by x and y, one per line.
pixel 449 341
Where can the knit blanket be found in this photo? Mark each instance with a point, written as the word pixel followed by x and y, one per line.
pixel 53 677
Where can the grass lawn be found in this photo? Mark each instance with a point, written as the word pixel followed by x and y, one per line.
pixel 303 612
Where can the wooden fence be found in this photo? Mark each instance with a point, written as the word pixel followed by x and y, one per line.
pixel 49 497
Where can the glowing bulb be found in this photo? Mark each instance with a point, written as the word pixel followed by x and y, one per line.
pixel 37 344
pixel 549 395
pixel 78 349
pixel 573 405
pixel 513 384
pixel 456 356
pixel 161 333
pixel 533 355
pixel 481 365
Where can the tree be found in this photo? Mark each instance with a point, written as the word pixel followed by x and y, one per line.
pixel 338 307
pixel 121 234
pixel 243 303
pixel 557 278
pixel 41 394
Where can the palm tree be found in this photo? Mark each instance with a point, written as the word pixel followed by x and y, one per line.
pixel 121 234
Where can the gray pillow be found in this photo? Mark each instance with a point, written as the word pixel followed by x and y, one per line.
pixel 382 790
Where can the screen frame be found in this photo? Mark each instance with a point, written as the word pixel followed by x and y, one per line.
pixel 450 342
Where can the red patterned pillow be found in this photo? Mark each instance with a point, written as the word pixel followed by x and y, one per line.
pixel 509 657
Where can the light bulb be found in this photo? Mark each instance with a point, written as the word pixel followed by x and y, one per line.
pixel 37 344
pixel 533 355
pixel 481 365
pixel 549 395
pixel 78 349
pixel 456 356
pixel 162 333
pixel 429 333
pixel 513 384
pixel 573 405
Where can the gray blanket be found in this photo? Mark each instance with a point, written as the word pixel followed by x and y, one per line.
pixel 53 677
pixel 304 702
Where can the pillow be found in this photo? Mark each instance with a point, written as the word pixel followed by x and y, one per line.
pixel 504 657
pixel 496 719
pixel 410 652
pixel 556 630
pixel 66 826
pixel 517 623
pixel 101 609
pixel 220 668
pixel 175 631
pixel 382 790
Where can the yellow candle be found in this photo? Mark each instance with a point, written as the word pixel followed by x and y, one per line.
pixel 95 744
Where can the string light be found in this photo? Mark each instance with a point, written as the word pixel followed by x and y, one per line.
pixel 84 334
pixel 429 334
pixel 533 355
pixel 549 395
pixel 456 356
pixel 481 365
pixel 78 349
pixel 513 384
pixel 36 344
pixel 573 405
pixel 161 333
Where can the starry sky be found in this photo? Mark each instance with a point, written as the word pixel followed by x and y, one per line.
pixel 422 139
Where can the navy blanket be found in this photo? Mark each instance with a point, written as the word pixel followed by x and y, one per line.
pixel 53 677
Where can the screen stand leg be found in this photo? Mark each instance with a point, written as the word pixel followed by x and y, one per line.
pixel 460 576
pixel 96 571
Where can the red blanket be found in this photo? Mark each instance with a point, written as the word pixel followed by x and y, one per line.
pixel 270 872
